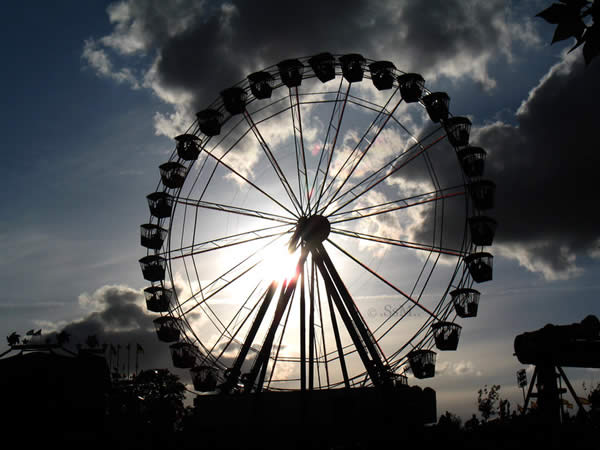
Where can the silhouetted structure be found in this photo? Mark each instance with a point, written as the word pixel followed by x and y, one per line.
pixel 322 418
pixel 62 396
pixel 551 348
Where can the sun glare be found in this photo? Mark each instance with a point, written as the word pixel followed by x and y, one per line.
pixel 279 264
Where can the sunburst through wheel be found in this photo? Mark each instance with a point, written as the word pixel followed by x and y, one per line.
pixel 320 225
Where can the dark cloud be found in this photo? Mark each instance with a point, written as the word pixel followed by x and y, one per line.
pixel 546 170
pixel 202 48
pixel 544 166
pixel 118 318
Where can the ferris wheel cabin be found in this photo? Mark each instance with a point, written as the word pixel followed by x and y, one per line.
pixel 483 194
pixel 353 67
pixel 172 174
pixel 261 84
pixel 483 230
pixel 422 363
pixel 183 355
pixel 437 105
pixel 323 65
pixel 382 74
pixel 234 100
pixel 167 328
pixel 411 87
pixel 204 378
pixel 458 129
pixel 466 302
pixel 188 146
pixel 446 335
pixel 152 236
pixel 290 72
pixel 153 267
pixel 480 266
pixel 158 299
pixel 472 160
pixel 210 121
pixel 161 204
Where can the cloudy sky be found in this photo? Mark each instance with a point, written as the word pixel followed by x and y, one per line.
pixel 94 93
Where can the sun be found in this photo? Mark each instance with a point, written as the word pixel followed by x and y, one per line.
pixel 280 264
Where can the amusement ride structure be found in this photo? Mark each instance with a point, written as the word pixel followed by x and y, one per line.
pixel 550 349
pixel 320 225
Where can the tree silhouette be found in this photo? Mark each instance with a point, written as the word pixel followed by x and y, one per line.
pixel 570 18
pixel 62 338
pixel 486 401
pixel 13 339
pixel 92 341
pixel 159 384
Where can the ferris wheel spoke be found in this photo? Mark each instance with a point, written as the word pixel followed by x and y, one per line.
pixel 400 308
pixel 417 201
pixel 231 335
pixel 250 183
pixel 210 290
pixel 245 320
pixel 417 197
pixel 371 271
pixel 276 167
pixel 389 166
pixel 376 127
pixel 225 242
pixel 302 173
pixel 392 170
pixel 337 116
pixel 215 292
pixel 399 243
pixel 235 210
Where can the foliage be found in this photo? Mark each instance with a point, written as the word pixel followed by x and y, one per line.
pixel 570 17
pixel 487 400
pixel 593 396
pixel 159 384
pixel 153 399
pixel 450 421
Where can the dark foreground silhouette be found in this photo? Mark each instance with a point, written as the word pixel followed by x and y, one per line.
pixel 49 398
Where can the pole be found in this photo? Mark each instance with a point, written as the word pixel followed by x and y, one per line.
pixel 118 357
pixel 128 356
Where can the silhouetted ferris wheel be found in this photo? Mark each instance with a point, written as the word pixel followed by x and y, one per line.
pixel 320 225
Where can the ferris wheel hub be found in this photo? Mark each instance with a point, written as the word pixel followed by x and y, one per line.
pixel 311 231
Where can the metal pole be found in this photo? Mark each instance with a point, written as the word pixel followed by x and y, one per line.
pixel 302 333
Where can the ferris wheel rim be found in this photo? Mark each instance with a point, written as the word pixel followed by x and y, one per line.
pixel 217 105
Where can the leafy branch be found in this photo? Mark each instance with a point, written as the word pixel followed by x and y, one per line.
pixel 570 18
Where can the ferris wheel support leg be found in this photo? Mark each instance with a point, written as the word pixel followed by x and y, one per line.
pixel 366 335
pixel 234 372
pixel 359 343
pixel 262 360
pixel 302 334
pixel 338 341
pixel 311 334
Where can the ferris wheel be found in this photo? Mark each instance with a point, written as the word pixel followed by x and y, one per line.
pixel 320 225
